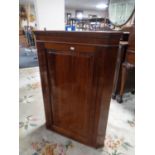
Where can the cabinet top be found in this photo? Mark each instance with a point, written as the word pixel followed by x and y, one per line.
pixel 93 38
pixel 77 32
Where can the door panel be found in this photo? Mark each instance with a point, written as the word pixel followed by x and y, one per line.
pixel 71 90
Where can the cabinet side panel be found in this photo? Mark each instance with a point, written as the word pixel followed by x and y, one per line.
pixel 44 83
pixel 106 61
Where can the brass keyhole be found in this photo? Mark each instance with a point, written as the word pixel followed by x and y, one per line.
pixel 72 48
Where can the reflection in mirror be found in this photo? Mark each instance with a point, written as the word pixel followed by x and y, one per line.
pixel 120 11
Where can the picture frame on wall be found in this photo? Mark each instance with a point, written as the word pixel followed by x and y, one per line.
pixel 69 15
pixel 79 14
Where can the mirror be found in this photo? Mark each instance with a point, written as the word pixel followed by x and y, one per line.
pixel 120 11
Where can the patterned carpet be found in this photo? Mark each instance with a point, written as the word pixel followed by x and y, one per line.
pixel 36 140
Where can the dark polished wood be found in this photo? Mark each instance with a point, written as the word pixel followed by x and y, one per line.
pixel 77 71
pixel 118 71
pixel 125 68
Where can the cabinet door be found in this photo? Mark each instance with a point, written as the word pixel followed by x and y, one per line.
pixel 70 78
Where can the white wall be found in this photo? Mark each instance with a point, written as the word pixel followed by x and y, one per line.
pixel 50 14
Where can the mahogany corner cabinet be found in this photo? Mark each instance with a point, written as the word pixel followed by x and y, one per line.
pixel 77 72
